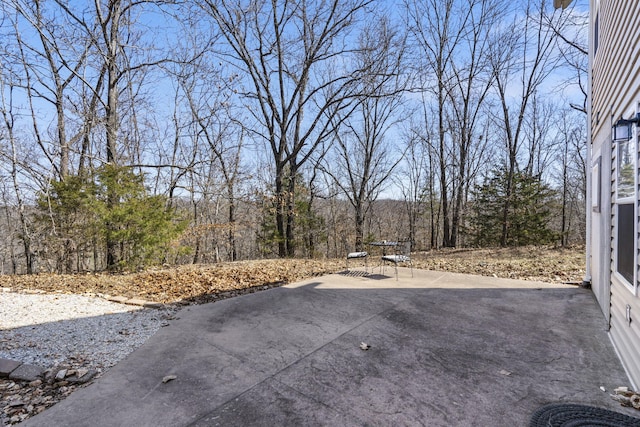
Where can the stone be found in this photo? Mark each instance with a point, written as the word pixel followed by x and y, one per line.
pixel 27 373
pixel 138 302
pixel 152 305
pixel 82 376
pixel 49 374
pixel 61 374
pixel 7 366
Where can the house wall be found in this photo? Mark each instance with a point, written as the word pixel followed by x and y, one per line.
pixel 615 92
pixel 600 241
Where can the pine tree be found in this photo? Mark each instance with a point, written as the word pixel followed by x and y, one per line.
pixel 84 213
pixel 528 218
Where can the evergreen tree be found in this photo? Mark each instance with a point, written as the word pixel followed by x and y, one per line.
pixel 82 216
pixel 528 217
pixel 68 213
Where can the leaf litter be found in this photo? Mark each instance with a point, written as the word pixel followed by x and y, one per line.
pixel 205 283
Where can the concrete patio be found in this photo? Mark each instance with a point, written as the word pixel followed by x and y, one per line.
pixel 445 350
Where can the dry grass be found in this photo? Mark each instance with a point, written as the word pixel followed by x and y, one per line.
pixel 544 264
pixel 199 283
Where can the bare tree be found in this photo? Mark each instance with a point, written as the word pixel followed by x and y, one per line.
pixel 452 40
pixel 16 161
pixel 284 50
pixel 63 56
pixel 570 175
pixel 472 80
pixel 522 58
pixel 414 177
pixel 539 143
pixel 364 158
pixel 437 28
pixel 571 29
pixel 225 142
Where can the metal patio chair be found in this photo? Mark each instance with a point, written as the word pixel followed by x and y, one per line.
pixel 401 255
pixel 358 255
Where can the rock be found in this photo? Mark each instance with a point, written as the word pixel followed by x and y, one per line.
pixel 7 366
pixel 118 299
pixel 82 376
pixel 61 374
pixel 49 375
pixel 152 305
pixel 136 301
pixel 27 373
pixel 35 383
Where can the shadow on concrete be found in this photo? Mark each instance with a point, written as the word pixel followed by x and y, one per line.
pixel 445 350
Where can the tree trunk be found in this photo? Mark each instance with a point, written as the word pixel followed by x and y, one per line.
pixel 280 202
pixel 232 232
pixel 446 228
pixel 291 217
pixel 507 202
pixel 359 227
pixel 111 112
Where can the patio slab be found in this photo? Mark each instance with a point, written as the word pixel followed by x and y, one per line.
pixel 445 350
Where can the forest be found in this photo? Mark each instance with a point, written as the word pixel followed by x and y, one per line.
pixel 169 132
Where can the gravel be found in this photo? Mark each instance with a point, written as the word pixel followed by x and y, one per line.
pixel 65 334
pixel 48 330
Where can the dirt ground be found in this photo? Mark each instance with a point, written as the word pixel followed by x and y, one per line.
pixel 202 283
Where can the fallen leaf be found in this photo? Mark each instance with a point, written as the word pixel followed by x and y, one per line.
pixel 635 401
pixel 169 378
pixel 205 283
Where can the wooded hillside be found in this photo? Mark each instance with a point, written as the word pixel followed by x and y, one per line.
pixel 142 133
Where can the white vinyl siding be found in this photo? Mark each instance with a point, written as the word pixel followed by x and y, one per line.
pixel 615 92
